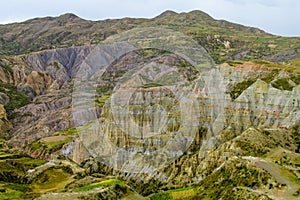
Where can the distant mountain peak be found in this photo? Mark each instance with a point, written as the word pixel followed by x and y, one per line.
pixel 167 13
pixel 68 16
pixel 200 13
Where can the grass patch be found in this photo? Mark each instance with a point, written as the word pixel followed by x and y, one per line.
pixel 104 89
pixel 189 70
pixel 240 87
pixel 17 99
pixel 51 180
pixel 50 145
pixel 234 63
pixel 24 188
pixel 271 76
pixel 181 193
pixel 161 196
pixel 262 62
pixel 67 132
pixel 234 174
pixel 152 53
pixel 149 85
pixel 4 155
pixel 282 84
pixel 14 166
pixel 11 194
pixel 100 101
pixel 101 184
pixel 57 144
pixel 295 62
pixel 26 163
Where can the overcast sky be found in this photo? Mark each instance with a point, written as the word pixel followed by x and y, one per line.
pixel 280 17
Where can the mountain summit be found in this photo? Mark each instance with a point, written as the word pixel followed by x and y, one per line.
pixel 222 39
pixel 167 13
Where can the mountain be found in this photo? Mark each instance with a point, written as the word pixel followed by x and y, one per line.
pixel 222 39
pixel 135 109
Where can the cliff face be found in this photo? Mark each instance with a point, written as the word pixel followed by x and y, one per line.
pixel 38 73
pixel 36 94
pixel 159 116
pixel 153 120
pixel 213 99
pixel 143 131
pixel 5 125
pixel 60 64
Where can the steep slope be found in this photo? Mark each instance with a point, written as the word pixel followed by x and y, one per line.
pixel 188 131
pixel 222 39
pixel 44 127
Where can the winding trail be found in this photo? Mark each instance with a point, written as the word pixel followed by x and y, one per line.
pixel 282 175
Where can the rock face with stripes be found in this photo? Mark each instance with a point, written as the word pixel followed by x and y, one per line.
pixel 147 114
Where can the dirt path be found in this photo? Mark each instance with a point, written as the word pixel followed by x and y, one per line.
pixel 282 175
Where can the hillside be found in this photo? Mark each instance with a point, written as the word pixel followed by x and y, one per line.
pixel 180 106
pixel 222 39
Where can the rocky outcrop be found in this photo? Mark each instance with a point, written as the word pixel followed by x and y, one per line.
pixel 156 119
pixel 5 125
pixel 5 75
pixel 284 56
pixel 166 14
pixel 42 74
pixel 69 30
pixel 47 114
pixel 143 117
pixel 39 72
pixel 60 64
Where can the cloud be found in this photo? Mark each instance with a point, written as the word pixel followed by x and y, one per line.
pixel 261 2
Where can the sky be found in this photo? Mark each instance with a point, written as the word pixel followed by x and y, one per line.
pixel 279 17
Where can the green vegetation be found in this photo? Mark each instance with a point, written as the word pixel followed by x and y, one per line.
pixel 149 85
pixel 223 182
pixel 282 84
pixel 67 132
pixel 270 76
pixel 187 69
pixel 295 130
pixel 240 87
pixel 13 166
pixel 152 53
pixel 53 179
pixel 100 101
pixel 229 182
pixel 28 163
pixel 12 171
pixel 257 143
pixel 101 184
pixel 53 145
pixel 8 193
pixel 104 89
pixel 221 39
pixel 182 193
pixel 2 142
pixel 50 144
pixel 17 99
pixel 295 62
pixel 291 66
pixel 235 178
pixel 235 62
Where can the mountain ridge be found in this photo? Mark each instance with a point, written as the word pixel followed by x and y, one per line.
pixel 220 38
pixel 235 134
